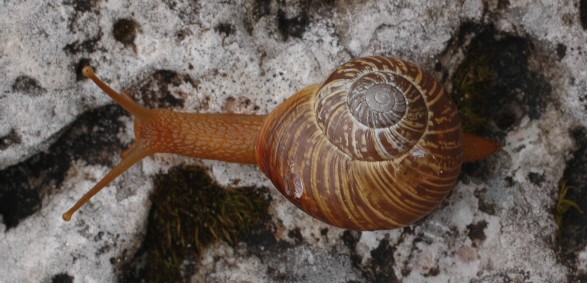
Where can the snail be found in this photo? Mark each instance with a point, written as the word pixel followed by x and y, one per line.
pixel 377 146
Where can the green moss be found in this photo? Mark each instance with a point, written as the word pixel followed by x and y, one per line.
pixel 564 205
pixel 189 212
pixel 470 90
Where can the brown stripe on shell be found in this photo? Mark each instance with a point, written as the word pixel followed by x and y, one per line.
pixel 346 189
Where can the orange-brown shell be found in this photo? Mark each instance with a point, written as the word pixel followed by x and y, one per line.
pixel 379 157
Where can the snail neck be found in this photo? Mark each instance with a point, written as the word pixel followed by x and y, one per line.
pixel 224 137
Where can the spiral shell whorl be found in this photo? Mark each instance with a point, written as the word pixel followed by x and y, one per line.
pixel 372 108
pixel 376 186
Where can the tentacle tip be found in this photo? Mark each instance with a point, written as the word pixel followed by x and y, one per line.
pixel 88 72
pixel 67 216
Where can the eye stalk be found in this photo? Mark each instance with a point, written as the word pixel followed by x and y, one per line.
pixel 134 154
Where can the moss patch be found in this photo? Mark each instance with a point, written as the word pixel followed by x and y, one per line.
pixel 189 212
pixel 471 83
pixel 496 85
pixel 572 203
pixel 564 204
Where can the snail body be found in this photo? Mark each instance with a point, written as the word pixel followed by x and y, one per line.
pixel 377 146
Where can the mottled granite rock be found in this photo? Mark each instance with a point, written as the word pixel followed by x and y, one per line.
pixel 57 138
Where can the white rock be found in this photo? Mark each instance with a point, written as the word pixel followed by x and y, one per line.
pixel 460 242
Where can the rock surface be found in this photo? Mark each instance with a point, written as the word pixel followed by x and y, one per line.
pixel 58 137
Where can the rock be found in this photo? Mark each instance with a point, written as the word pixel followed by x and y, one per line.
pixel 59 135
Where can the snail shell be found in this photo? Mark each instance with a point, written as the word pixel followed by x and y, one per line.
pixel 377 146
